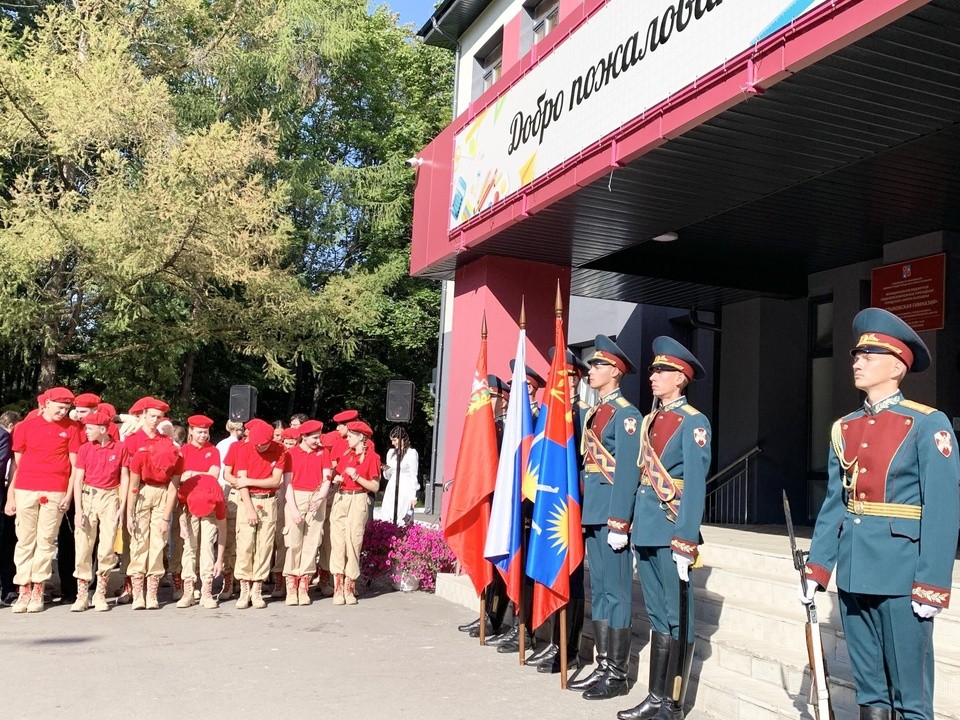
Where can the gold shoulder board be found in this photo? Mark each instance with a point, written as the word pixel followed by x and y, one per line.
pixel 623 402
pixel 690 410
pixel 919 407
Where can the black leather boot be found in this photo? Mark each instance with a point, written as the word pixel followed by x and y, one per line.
pixel 614 682
pixel 508 635
pixel 545 653
pixel 574 631
pixel 512 644
pixel 467 627
pixel 872 712
pixel 657 684
pixel 601 636
pixel 673 709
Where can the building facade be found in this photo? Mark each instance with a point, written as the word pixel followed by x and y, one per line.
pixel 744 175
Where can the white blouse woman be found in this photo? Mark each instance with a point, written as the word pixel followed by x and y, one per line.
pixel 409 470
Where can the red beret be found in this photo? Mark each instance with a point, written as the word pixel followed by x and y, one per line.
pixel 200 421
pixel 98 417
pixel 86 400
pixel 310 427
pixel 150 403
pixel 108 409
pixel 291 433
pixel 345 416
pixel 41 398
pixel 137 407
pixel 202 500
pixel 259 432
pixel 59 395
pixel 359 426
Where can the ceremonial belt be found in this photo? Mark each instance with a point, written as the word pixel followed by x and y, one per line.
pixel 669 491
pixel 598 459
pixel 881 509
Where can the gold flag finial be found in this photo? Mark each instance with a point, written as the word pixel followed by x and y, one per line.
pixel 558 306
pixel 483 326
pixel 523 312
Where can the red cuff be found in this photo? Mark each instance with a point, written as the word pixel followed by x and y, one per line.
pixel 817 573
pixel 684 547
pixel 618 525
pixel 931 595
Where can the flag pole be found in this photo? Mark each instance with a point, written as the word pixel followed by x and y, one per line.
pixel 558 309
pixel 483 595
pixel 522 628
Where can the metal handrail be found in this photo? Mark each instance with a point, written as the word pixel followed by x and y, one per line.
pixel 755 450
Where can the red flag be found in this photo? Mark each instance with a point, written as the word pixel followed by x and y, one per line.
pixel 468 510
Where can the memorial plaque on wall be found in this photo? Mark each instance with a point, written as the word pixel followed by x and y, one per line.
pixel 913 290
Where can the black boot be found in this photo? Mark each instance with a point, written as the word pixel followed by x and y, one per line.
pixel 545 653
pixel 657 684
pixel 601 637
pixel 614 682
pixel 489 629
pixel 672 709
pixel 506 636
pixel 512 645
pixel 873 712
pixel 467 627
pixel 574 631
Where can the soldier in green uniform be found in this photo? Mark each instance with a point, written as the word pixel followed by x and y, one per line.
pixel 611 446
pixel 675 458
pixel 888 524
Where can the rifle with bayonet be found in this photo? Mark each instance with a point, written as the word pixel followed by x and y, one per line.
pixel 819 689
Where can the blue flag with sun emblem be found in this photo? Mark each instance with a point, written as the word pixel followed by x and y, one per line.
pixel 556 541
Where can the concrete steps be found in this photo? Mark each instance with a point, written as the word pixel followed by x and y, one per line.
pixel 751 660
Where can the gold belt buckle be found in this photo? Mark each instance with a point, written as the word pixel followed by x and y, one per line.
pixel 858 507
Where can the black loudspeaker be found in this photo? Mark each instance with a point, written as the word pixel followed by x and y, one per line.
pixel 243 403
pixel 400 401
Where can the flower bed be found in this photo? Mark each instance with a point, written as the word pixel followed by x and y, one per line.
pixel 415 551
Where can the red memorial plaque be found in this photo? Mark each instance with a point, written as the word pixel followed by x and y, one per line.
pixel 913 290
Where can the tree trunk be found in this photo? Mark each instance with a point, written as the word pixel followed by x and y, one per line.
pixel 186 379
pixel 49 360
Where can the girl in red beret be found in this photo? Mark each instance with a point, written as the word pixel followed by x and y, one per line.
pixel 358 475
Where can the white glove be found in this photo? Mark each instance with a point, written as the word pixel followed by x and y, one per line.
pixel 925 612
pixel 806 591
pixel 683 566
pixel 617 540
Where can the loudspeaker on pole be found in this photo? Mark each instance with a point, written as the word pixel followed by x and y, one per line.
pixel 243 403
pixel 400 401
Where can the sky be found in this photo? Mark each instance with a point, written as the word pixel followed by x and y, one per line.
pixel 411 11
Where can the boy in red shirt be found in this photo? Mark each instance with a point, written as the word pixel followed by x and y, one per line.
pixel 100 486
pixel 198 532
pixel 306 500
pixel 45 453
pixel 260 466
pixel 154 476
pixel 358 473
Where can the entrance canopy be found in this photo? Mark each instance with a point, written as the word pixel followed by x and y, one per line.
pixel 815 168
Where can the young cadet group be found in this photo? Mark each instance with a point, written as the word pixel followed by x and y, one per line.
pixel 887 529
pixel 290 501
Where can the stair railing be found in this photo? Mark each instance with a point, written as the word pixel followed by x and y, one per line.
pixel 730 500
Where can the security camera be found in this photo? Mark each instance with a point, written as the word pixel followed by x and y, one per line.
pixel 414 162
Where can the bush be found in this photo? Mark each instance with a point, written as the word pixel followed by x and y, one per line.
pixel 389 550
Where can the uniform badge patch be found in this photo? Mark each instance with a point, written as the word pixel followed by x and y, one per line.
pixel 630 425
pixel 944 443
pixel 700 436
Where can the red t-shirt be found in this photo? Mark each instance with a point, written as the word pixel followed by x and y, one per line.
pixel 101 464
pixel 139 442
pixel 200 459
pixel 158 464
pixel 307 468
pixel 230 460
pixel 45 447
pixel 338 451
pixel 368 469
pixel 202 495
pixel 260 465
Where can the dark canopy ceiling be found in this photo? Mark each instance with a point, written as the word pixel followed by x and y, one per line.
pixel 858 150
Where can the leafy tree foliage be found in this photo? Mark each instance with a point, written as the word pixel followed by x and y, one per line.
pixel 195 194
